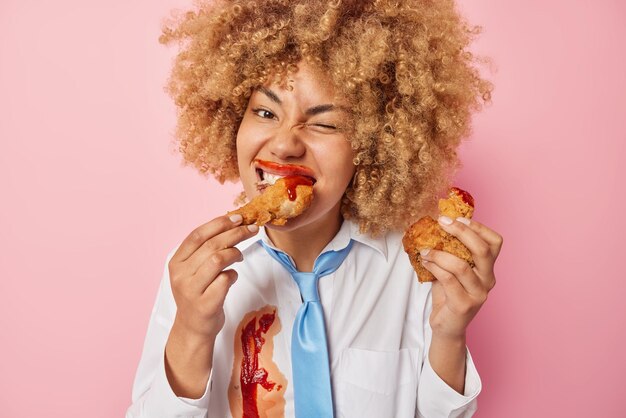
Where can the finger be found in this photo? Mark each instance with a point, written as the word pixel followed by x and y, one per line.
pixel 201 234
pixel 224 240
pixel 491 237
pixel 489 280
pixel 456 296
pixel 480 249
pixel 459 268
pixel 212 267
pixel 214 296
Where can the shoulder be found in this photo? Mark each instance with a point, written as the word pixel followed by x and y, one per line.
pixel 385 251
pixel 389 245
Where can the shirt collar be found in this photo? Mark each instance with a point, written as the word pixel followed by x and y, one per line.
pixel 349 230
pixel 378 243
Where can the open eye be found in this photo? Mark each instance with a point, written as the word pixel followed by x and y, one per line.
pixel 263 113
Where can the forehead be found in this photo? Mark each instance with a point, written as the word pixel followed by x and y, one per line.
pixel 309 85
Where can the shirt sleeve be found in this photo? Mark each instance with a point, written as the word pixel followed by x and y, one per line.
pixel 435 398
pixel 152 395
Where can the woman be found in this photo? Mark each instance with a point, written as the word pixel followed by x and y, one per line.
pixel 370 99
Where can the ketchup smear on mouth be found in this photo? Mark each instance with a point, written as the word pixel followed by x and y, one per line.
pixel 294 175
pixel 251 375
pixel 285 169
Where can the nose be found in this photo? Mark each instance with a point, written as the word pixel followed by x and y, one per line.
pixel 287 143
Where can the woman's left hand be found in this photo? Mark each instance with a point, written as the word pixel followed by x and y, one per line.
pixel 460 290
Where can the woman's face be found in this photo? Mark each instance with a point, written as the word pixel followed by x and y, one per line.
pixel 305 126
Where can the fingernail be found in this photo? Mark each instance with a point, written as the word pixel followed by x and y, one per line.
pixel 424 252
pixel 236 218
pixel 444 220
pixel 253 228
pixel 463 220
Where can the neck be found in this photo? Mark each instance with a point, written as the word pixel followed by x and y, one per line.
pixel 304 244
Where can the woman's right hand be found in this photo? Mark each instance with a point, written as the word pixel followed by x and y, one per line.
pixel 199 276
pixel 200 281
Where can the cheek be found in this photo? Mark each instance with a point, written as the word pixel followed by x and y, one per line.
pixel 246 146
pixel 240 150
pixel 240 160
pixel 345 158
pixel 245 154
pixel 338 165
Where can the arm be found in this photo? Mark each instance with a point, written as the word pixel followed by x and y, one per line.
pixel 152 394
pixel 447 358
pixel 438 395
pixel 188 362
pixel 456 297
pixel 187 316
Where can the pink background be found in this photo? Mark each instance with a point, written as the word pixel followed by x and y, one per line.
pixel 93 198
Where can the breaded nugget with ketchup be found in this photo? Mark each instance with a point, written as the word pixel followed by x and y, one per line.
pixel 426 233
pixel 283 200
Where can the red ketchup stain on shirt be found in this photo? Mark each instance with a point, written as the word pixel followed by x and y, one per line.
pixel 467 198
pixel 251 375
pixel 294 181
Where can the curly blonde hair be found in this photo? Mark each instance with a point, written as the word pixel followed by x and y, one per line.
pixel 402 65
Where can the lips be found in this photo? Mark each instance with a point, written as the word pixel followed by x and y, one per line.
pixel 268 172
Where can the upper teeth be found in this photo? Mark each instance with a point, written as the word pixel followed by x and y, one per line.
pixel 271 178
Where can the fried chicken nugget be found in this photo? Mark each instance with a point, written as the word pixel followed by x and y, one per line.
pixel 285 199
pixel 426 233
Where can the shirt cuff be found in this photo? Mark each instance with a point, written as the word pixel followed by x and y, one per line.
pixel 436 398
pixel 163 402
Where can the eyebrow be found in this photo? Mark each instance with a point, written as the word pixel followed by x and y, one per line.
pixel 272 96
pixel 312 111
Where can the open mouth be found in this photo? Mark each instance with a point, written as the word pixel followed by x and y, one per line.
pixel 267 178
pixel 268 172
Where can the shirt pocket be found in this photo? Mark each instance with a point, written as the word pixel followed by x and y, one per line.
pixel 374 384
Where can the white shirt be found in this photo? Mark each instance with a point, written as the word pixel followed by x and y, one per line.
pixel 377 327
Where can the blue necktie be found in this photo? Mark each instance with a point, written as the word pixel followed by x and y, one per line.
pixel 309 350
